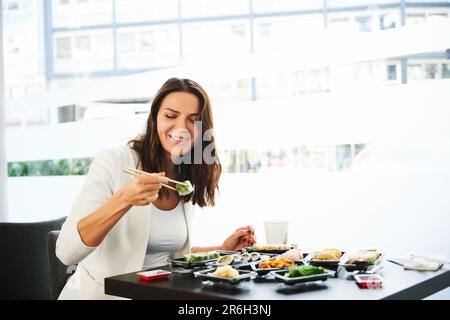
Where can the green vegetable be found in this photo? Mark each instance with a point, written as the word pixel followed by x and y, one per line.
pixel 303 271
pixel 198 257
pixel 184 188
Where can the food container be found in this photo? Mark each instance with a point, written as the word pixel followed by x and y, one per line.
pixel 246 257
pixel 280 276
pixel 244 275
pixel 360 265
pixel 273 249
pixel 369 281
pixel 327 264
pixel 225 260
pixel 255 256
pixel 263 271
pixel 209 257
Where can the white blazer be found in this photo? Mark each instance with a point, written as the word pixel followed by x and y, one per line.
pixel 123 249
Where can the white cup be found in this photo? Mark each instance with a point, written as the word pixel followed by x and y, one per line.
pixel 276 231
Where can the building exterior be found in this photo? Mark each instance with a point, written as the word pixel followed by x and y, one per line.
pixel 56 44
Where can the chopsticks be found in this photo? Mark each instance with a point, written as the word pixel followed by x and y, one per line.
pixel 152 174
pixel 133 173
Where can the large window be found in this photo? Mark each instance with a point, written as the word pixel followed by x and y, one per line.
pixel 147 47
pixel 208 38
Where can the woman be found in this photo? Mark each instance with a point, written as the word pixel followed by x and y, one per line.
pixel 120 224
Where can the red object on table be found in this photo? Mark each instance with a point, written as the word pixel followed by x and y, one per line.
pixel 153 275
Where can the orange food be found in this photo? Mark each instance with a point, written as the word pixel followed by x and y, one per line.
pixel 276 263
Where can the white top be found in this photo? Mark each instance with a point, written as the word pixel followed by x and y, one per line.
pixel 124 248
pixel 168 233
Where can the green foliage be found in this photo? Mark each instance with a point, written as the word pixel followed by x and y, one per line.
pixel 63 167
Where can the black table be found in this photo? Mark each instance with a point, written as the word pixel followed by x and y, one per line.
pixel 398 284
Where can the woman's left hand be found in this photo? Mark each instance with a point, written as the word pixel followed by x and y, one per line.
pixel 241 238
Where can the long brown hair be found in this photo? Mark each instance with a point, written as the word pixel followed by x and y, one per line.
pixel 204 177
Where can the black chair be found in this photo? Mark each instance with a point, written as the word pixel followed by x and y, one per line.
pixel 24 268
pixel 58 272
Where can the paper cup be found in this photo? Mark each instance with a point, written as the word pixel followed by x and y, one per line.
pixel 276 231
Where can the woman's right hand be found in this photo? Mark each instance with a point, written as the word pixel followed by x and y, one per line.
pixel 142 190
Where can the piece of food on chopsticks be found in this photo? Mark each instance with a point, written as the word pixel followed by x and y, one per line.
pixel 303 271
pixel 278 263
pixel 226 272
pixel 328 254
pixel 369 256
pixel 201 256
pixel 184 188
pixel 293 254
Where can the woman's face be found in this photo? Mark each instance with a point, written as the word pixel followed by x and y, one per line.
pixel 176 122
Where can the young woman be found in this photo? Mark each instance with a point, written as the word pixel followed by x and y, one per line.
pixel 119 223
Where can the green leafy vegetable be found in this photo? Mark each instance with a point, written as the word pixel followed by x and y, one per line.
pixel 303 271
pixel 184 188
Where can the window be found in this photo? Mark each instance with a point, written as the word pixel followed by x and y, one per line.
pixel 216 37
pixel 147 46
pixel 264 6
pixel 388 21
pixel 415 72
pixel 83 43
pixel 445 71
pixel 431 71
pixel 147 41
pixel 63 48
pixel 392 72
pixel 208 8
pixel 264 30
pixel 127 42
pixel 13 5
pixel 81 13
pixel 146 10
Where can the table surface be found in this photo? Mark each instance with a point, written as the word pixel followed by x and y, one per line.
pixel 398 284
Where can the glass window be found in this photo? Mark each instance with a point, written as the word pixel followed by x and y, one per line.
pixel 431 71
pixel 146 47
pixel 415 72
pixel 270 33
pixel 392 72
pixel 81 13
pixel 146 10
pixel 388 21
pixel 265 6
pixel 63 48
pixel 359 3
pixel 208 8
pixel 83 42
pixel 83 51
pixel 229 90
pixel 415 19
pixel 216 38
pixel 343 156
pixel 445 71
pixel 127 42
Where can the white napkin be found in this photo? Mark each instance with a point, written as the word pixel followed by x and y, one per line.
pixel 423 264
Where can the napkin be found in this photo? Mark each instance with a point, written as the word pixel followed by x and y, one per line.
pixel 419 263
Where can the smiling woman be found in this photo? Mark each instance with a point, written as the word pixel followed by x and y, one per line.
pixel 172 132
pixel 120 224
